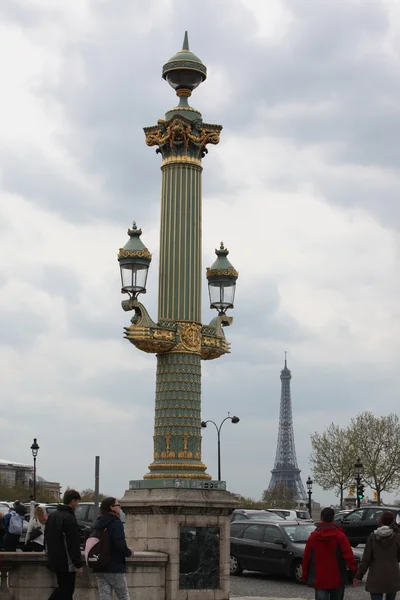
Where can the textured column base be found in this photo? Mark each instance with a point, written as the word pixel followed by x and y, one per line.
pixel 193 527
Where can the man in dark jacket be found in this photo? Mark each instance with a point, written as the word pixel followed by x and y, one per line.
pixel 112 577
pixel 326 555
pixel 61 537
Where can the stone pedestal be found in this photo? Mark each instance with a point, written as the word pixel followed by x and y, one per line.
pixel 192 527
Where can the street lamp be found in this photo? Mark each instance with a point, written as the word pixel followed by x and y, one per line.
pixel 358 466
pixel 221 278
pixel 177 336
pixel 309 484
pixel 233 420
pixel 35 450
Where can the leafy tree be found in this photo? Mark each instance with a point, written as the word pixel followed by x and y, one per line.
pixel 88 495
pixel 247 502
pixel 333 456
pixel 280 496
pixel 377 440
pixel 20 492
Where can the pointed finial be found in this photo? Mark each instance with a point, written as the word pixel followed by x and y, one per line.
pixel 285 359
pixel 185 46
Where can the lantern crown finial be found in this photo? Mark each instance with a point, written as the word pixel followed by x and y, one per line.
pixel 184 71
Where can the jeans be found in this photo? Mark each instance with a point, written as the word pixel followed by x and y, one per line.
pixel 335 594
pixel 109 582
pixel 380 596
pixel 65 587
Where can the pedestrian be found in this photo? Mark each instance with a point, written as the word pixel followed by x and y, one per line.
pixel 20 508
pixel 381 559
pixel 112 578
pixel 2 531
pixel 13 524
pixel 326 556
pixel 61 537
pixel 34 539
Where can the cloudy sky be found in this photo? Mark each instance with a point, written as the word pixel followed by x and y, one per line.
pixel 303 189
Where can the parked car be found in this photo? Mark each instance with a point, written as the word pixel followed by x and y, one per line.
pixel 85 515
pixel 242 514
pixel 359 523
pixel 293 514
pixel 272 548
pixel 339 515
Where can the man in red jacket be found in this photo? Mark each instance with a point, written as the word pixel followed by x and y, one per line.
pixel 326 555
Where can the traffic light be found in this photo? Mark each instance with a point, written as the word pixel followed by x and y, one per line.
pixel 360 491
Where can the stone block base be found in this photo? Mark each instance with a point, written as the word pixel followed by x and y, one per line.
pixel 154 522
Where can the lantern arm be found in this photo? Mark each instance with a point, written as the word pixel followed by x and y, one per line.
pixel 147 335
pixel 213 341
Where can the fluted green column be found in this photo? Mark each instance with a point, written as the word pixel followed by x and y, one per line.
pixel 181 140
pixel 180 274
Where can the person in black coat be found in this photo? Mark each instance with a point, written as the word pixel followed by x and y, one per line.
pixel 62 544
pixel 112 577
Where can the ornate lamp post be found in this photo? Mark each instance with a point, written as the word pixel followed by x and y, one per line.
pixel 35 450
pixel 177 483
pixel 178 338
pixel 233 420
pixel 309 484
pixel 358 466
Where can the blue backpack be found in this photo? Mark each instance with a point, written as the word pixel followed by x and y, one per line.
pixel 16 524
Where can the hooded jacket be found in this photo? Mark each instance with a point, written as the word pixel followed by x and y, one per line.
pixel 119 551
pixel 326 555
pixel 382 556
pixel 61 538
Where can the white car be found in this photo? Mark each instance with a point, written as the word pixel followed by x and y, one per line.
pixel 294 514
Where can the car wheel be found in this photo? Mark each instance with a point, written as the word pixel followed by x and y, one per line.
pixel 297 572
pixel 235 568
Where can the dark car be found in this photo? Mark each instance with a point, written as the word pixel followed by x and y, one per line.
pixel 359 523
pixel 243 514
pixel 85 515
pixel 272 548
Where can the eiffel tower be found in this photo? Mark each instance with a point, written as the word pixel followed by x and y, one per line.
pixel 285 468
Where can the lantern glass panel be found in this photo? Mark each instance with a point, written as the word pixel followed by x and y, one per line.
pixel 184 78
pixel 222 295
pixel 134 277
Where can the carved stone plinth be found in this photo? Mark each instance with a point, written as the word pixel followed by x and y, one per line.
pixel 192 526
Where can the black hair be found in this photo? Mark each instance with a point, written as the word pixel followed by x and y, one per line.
pixel 71 495
pixel 106 504
pixel 327 514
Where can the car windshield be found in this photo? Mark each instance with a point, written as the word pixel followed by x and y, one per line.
pixel 298 533
pixel 302 514
pixel 265 516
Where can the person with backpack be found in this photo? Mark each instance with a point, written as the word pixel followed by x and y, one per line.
pixel 326 556
pixel 381 559
pixel 111 551
pixel 62 543
pixel 13 525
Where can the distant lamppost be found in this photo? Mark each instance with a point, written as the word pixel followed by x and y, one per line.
pixel 35 450
pixel 233 420
pixel 358 466
pixel 309 484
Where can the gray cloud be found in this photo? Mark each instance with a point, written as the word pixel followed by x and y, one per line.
pixel 328 83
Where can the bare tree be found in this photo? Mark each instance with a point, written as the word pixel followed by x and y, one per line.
pixel 377 440
pixel 332 458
